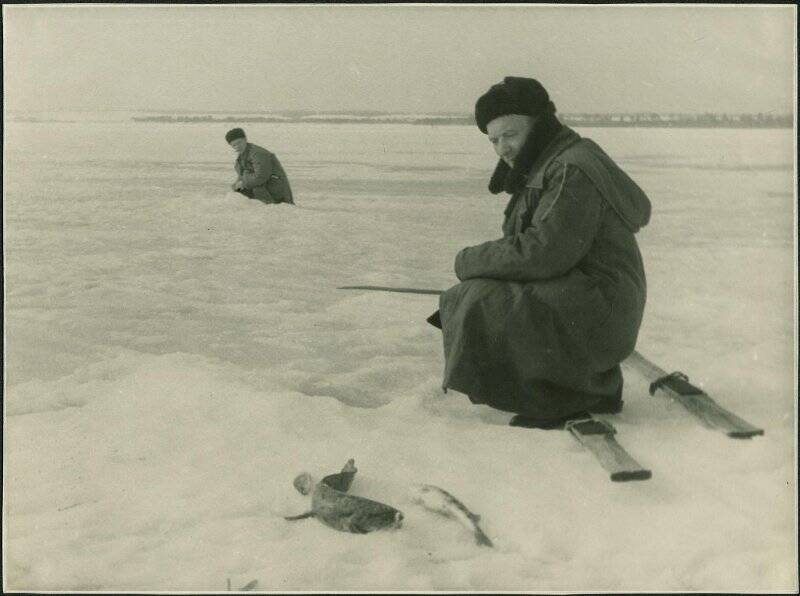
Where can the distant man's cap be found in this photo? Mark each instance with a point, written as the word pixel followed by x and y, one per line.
pixel 234 133
pixel 515 95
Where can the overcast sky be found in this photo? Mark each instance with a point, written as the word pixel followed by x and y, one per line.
pixel 430 58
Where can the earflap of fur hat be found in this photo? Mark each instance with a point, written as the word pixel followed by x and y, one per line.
pixel 497 183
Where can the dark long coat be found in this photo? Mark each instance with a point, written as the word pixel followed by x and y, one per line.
pixel 543 316
pixel 262 175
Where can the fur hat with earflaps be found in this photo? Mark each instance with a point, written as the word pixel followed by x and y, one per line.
pixel 518 95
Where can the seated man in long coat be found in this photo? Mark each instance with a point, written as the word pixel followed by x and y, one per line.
pixel 543 316
pixel 260 174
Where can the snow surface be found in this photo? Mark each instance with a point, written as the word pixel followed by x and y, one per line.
pixel 176 354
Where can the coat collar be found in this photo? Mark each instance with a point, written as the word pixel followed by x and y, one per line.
pixel 566 137
pixel 243 155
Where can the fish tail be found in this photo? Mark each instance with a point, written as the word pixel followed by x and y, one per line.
pixel 482 538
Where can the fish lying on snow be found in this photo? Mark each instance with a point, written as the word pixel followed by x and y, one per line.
pixel 440 501
pixel 348 513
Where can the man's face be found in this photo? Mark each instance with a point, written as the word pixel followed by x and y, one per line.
pixel 507 134
pixel 238 144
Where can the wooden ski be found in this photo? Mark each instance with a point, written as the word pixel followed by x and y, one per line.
pixel 677 386
pixel 598 437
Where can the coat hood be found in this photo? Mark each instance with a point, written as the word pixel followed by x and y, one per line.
pixel 616 187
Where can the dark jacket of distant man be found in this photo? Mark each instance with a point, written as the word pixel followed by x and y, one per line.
pixel 262 176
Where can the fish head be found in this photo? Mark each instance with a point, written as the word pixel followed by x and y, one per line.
pixel 381 518
pixel 419 492
pixel 428 496
pixel 388 518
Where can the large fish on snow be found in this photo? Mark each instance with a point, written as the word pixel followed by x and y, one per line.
pixel 331 504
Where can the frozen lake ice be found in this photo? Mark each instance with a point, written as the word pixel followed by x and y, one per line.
pixel 176 354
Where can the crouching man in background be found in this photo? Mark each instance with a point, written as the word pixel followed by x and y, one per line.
pixel 260 174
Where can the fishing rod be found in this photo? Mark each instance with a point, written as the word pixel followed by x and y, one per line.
pixel 388 289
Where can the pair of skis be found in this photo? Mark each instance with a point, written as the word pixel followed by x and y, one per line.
pixel 597 435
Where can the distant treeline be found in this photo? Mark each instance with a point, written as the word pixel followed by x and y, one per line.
pixel 707 120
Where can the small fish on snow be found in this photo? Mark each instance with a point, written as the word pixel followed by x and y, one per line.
pixel 442 502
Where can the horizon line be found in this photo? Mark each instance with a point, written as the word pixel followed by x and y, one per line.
pixel 381 112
